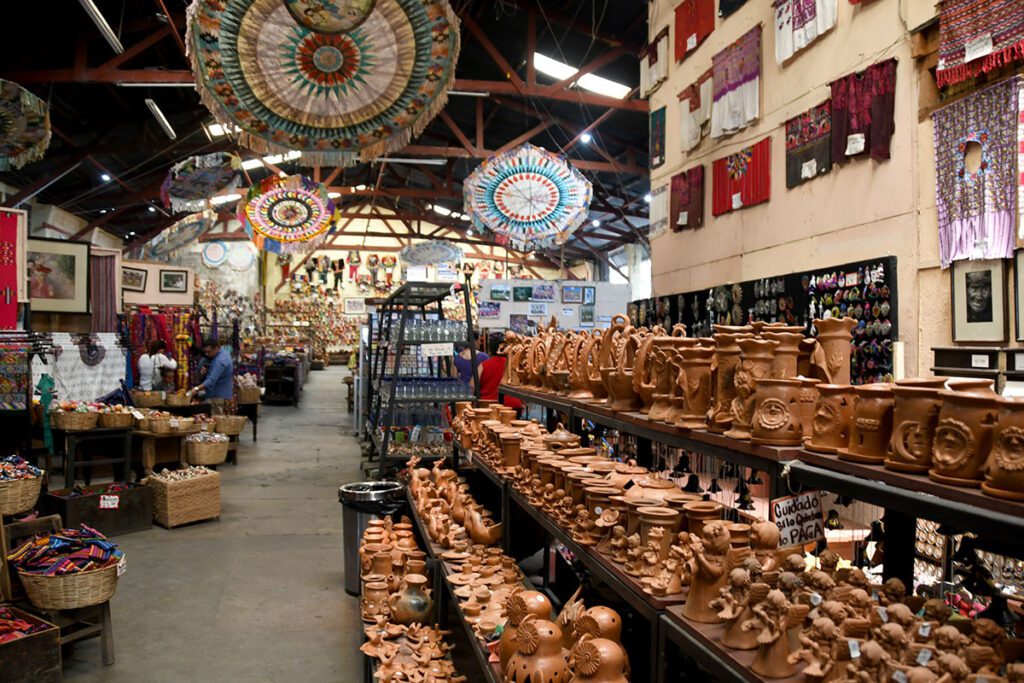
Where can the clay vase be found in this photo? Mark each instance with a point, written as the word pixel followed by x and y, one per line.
pixel 833 413
pixel 518 607
pixel 696 365
pixel 727 358
pixel 411 604
pixel 871 430
pixel 663 517
pixel 539 654
pixel 511 449
pixel 785 360
pixel 834 336
pixel 808 399
pixel 963 435
pixel 755 365
pixel 699 512
pixel 633 506
pixel 776 419
pixel 1004 471
pixel 914 419
pixel 374 600
pixel 599 660
pixel 380 563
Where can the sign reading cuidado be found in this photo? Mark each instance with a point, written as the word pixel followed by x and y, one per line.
pixel 800 519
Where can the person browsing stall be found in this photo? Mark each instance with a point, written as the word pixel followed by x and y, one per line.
pixel 219 384
pixel 152 364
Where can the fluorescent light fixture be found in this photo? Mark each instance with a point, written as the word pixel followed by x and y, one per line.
pixel 360 187
pixel 586 138
pixel 595 84
pixel 596 223
pixel 103 210
pixel 131 234
pixel 333 195
pixel 444 211
pixel 647 197
pixel 466 93
pixel 469 232
pixel 412 160
pixel 225 198
pixel 161 119
pixel 216 130
pixel 465 218
pixel 152 209
pixel 104 177
pixel 157 84
pixel 275 159
pixel 101 23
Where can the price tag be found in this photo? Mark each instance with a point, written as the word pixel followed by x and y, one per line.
pixel 444 349
pixel 598 510
pixel 684 218
pixel 163 395
pixel 815 599
pixel 110 502
pixel 855 144
pixel 691 42
pixel 737 201
pixel 809 169
pixel 854 647
pixel 137 415
pixel 979 360
pixel 174 422
pixel 883 613
pixel 978 48
pixel 925 629
pixel 899 677
pixel 415 434
pixel 924 656
pixel 122 566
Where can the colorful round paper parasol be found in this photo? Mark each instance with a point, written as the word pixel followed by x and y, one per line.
pixel 330 16
pixel 24 126
pixel 190 183
pixel 215 254
pixel 181 234
pixel 286 214
pixel 430 253
pixel 338 98
pixel 528 197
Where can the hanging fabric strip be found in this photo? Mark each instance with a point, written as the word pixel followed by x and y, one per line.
pixel 687 200
pixel 736 71
pixel 742 179
pixel 658 211
pixel 863 107
pixel 799 22
pixel 808 144
pixel 9 271
pixel 695 20
pixel 976 36
pixel 695 111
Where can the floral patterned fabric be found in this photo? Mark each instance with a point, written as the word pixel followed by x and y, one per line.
pixel 863 106
pixel 808 145
pixel 742 179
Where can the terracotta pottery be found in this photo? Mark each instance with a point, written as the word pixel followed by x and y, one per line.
pixel 699 512
pixel 963 435
pixel 776 420
pixel 1004 471
pixel 697 391
pixel 626 472
pixel 633 506
pixel 739 534
pixel 834 336
pixel 561 438
pixel 539 654
pixel 411 604
pixel 576 484
pixel 590 356
pixel 785 360
pixel 915 416
pixel 662 375
pixel 727 359
pixel 708 573
pixel 677 499
pixel 651 487
pixel 808 399
pixel 871 429
pixel 833 413
pixel 598 498
pixel 804 368
pixel 755 364
pixel 367 553
pixel 600 622
pixel 374 600
pixel 666 518
pixel 416 567
pixel 599 660
pixel 511 449
pixel 380 563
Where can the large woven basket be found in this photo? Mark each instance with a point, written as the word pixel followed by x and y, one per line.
pixel 230 424
pixel 74 421
pixel 147 399
pixel 206 453
pixel 248 395
pixel 116 420
pixel 19 495
pixel 178 400
pixel 185 424
pixel 70 591
pixel 159 425
pixel 180 502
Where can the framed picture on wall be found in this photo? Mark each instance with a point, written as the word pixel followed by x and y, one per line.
pixel 134 279
pixel 501 293
pixel 355 306
pixel 174 281
pixel 572 294
pixel 1018 290
pixel 586 316
pixel 488 309
pixel 58 274
pixel 543 293
pixel 538 309
pixel 522 293
pixel 589 295
pixel 978 299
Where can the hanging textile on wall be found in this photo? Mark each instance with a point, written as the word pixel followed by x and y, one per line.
pixel 976 36
pixel 741 179
pixel 687 199
pixel 695 20
pixel 863 107
pixel 658 137
pixel 808 144
pixel 658 213
pixel 736 71
pixel 695 111
pixel 103 291
pixel 799 22
pixel 654 63
pixel 84 367
pixel 12 266
pixel 977 208
pixel 727 7
pixel 14 376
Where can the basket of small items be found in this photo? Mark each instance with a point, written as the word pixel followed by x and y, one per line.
pixel 147 399
pixel 204 422
pixel 158 422
pixel 20 484
pixel 116 417
pixel 230 424
pixel 69 569
pixel 247 389
pixel 206 448
pixel 75 416
pixel 178 399
pixel 185 495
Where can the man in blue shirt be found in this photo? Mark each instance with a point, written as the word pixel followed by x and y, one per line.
pixel 219 384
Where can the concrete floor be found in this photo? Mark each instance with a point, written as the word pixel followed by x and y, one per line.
pixel 258 595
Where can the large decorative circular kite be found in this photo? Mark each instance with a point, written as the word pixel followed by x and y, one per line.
pixel 190 183
pixel 215 254
pixel 430 253
pixel 528 197
pixel 24 126
pixel 339 98
pixel 283 215
pixel 330 16
pixel 181 234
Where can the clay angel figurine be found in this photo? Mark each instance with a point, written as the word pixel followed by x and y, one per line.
pixel 988 641
pixel 618 544
pixel 817 647
pixel 683 555
pixel 764 540
pixel 732 597
pixel 634 556
pixel 873 664
pixel 707 573
pixel 735 636
pixel 773 618
pixel 652 554
pixel 893 639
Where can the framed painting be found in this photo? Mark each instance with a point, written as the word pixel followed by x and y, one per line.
pixel 572 294
pixel 134 279
pixel 501 293
pixel 978 300
pixel 355 306
pixel 58 274
pixel 589 295
pixel 488 310
pixel 537 309
pixel 543 293
pixel 522 293
pixel 174 281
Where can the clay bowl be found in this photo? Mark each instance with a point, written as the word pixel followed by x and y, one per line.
pixel 677 500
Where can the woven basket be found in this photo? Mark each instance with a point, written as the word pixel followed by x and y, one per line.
pixel 185 424
pixel 248 395
pixel 70 591
pixel 116 420
pixel 159 425
pixel 74 422
pixel 180 502
pixel 206 453
pixel 19 495
pixel 146 400
pixel 231 425
pixel 178 400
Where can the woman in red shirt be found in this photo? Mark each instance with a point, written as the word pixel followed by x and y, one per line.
pixel 491 371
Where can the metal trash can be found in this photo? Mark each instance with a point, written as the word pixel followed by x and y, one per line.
pixel 361 502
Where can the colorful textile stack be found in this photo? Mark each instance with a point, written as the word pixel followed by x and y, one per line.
pixel 799 22
pixel 977 209
pixel 863 106
pixel 808 144
pixel 736 72
pixel 687 199
pixel 977 36
pixel 68 551
pixel 16 467
pixel 13 627
pixel 183 474
pixel 741 179
pixel 695 20
pixel 695 111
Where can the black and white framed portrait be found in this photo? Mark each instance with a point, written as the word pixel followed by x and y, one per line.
pixel 1018 290
pixel 979 301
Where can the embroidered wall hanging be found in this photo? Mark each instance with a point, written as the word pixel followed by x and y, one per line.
pixel 741 179
pixel 695 111
pixel 736 71
pixel 808 145
pixel 799 22
pixel 976 206
pixel 686 202
pixel 695 20
pixel 654 63
pixel 863 105
pixel 658 212
pixel 658 137
pixel 976 36
pixel 10 271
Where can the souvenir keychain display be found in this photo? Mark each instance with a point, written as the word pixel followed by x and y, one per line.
pixel 772 303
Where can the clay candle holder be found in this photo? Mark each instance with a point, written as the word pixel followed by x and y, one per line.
pixel 700 512
pixel 1004 471
pixel 834 336
pixel 915 417
pixel 963 436
pixel 755 365
pixel 833 413
pixel 784 362
pixel 727 358
pixel 872 425
pixel 776 420
pixel 697 391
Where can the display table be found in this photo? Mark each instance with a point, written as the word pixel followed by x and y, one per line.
pixel 66 443
pixel 190 410
pixel 251 411
pixel 283 383
pixel 149 443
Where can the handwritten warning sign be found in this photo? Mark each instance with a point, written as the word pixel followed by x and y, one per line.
pixel 800 519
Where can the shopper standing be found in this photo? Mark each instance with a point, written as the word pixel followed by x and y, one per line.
pixel 324 266
pixel 492 371
pixel 152 364
pixel 338 268
pixel 464 364
pixel 219 384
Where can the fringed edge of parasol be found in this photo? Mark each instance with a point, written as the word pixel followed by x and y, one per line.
pixel 38 150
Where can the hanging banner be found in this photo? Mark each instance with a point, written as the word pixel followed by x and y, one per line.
pixel 10 270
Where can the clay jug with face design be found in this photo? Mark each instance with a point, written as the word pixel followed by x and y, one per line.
pixel 871 429
pixel 914 419
pixel 755 365
pixel 1004 470
pixel 833 413
pixel 963 436
pixel 776 420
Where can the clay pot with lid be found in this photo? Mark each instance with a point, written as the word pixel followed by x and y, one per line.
pixel 834 336
pixel 664 517
pixel 520 605
pixel 915 416
pixel 776 420
pixel 561 438
pixel 599 660
pixel 700 512
pixel 786 358
pixel 833 413
pixel 697 392
pixel 677 499
pixel 1004 470
pixel 755 364
pixel 539 654
pixel 651 487
pixel 871 429
pixel 727 358
pixel 626 472
pixel 963 435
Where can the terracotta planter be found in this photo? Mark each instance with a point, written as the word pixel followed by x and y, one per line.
pixel 599 660
pixel 633 506
pixel 576 482
pixel 963 435
pixel 776 419
pixel 727 359
pixel 677 499
pixel 833 413
pixel 519 606
pixel 411 604
pixel 625 473
pixel 598 498
pixel 785 360
pixel 697 391
pixel 1004 471
pixel 871 429
pixel 700 512
pixel 739 535
pixel 915 416
pixel 511 449
pixel 834 336
pixel 755 364
pixel 666 518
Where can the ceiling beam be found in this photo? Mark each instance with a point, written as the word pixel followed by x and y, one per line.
pixel 583 164
pixel 454 128
pixel 576 96
pixel 40 184
pixel 499 59
pixel 528 135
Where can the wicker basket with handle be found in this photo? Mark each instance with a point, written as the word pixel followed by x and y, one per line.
pixel 230 424
pixel 19 495
pixel 116 420
pixel 70 591
pixel 206 452
pixel 190 500
pixel 74 421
